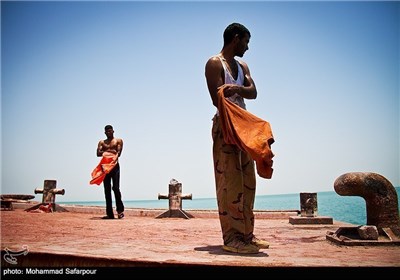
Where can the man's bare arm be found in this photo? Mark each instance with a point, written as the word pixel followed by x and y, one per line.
pixel 100 151
pixel 120 145
pixel 248 90
pixel 214 78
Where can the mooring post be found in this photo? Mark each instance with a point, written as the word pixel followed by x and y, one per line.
pixel 175 197
pixel 308 204
pixel 383 226
pixel 49 192
pixel 380 197
pixel 309 211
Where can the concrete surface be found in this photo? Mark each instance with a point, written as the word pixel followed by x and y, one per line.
pixel 79 238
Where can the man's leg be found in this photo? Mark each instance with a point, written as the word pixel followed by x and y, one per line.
pixel 249 179
pixel 108 197
pixel 117 192
pixel 229 188
pixel 249 192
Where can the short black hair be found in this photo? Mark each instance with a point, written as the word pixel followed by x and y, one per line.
pixel 108 126
pixel 232 30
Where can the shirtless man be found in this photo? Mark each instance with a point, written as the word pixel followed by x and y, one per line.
pixel 114 146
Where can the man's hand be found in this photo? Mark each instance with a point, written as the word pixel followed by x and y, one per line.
pixel 230 89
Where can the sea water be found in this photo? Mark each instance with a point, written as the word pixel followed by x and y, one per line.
pixel 349 209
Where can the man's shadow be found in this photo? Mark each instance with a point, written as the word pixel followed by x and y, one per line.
pixel 217 250
pixel 101 218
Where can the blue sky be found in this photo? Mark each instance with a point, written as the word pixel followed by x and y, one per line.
pixel 327 75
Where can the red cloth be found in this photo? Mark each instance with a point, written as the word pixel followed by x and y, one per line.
pixel 248 132
pixel 106 164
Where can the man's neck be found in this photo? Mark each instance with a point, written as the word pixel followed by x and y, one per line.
pixel 227 55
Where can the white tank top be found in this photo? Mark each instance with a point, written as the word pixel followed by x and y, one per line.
pixel 236 98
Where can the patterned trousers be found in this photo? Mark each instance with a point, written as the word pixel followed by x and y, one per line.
pixel 235 182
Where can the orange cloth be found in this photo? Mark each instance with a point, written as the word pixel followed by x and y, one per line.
pixel 248 132
pixel 106 164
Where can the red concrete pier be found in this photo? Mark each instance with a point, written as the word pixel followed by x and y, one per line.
pixel 79 238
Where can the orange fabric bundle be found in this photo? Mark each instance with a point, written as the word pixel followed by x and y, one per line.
pixel 248 132
pixel 106 164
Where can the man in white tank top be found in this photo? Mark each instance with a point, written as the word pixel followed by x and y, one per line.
pixel 234 169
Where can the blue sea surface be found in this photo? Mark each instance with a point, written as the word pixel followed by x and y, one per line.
pixel 349 209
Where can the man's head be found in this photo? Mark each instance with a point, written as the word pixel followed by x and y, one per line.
pixel 108 127
pixel 109 130
pixel 235 29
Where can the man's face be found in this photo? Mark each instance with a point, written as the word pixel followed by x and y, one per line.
pixel 242 45
pixel 109 132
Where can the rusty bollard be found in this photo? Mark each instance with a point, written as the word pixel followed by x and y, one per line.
pixel 175 197
pixel 308 204
pixel 380 197
pixel 49 192
pixel 309 211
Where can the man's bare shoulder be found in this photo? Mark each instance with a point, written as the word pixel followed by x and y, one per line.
pixel 213 59
pixel 244 66
pixel 241 62
pixel 213 64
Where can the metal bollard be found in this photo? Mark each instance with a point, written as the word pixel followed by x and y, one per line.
pixel 49 192
pixel 308 204
pixel 175 197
